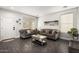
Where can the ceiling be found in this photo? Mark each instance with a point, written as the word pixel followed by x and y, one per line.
pixel 37 10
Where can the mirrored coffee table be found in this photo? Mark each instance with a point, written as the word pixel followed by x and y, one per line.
pixel 39 39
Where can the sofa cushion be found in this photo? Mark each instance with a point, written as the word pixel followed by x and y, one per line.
pixel 47 31
pixel 50 31
pixel 43 31
pixel 23 31
pixel 28 31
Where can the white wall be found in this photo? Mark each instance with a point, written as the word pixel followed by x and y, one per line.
pixel 49 17
pixel 78 19
pixel 0 28
pixel 8 21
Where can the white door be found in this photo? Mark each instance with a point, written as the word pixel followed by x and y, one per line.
pixel 7 24
pixel 6 28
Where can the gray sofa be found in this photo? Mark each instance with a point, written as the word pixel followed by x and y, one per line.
pixel 25 33
pixel 53 34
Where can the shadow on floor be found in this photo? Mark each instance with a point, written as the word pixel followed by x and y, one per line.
pixel 73 50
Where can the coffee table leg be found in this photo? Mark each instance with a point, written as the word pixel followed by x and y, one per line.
pixel 42 44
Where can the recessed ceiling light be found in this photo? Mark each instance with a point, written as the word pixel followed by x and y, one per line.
pixel 11 7
pixel 65 6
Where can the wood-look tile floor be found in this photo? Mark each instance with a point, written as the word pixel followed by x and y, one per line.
pixel 26 46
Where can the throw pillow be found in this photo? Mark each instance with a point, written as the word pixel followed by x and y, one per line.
pixel 28 31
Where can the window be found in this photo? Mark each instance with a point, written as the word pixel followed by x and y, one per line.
pixel 66 22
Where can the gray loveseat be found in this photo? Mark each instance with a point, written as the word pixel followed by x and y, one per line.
pixel 25 33
pixel 53 34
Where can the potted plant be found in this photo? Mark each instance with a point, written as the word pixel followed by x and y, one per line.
pixel 74 33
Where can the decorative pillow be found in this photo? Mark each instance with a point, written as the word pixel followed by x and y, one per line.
pixel 28 31
pixel 47 31
pixel 43 31
pixel 50 31
pixel 53 31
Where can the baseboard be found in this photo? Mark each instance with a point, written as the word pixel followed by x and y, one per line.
pixel 8 38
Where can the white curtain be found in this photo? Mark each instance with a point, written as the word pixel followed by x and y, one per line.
pixel 66 22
